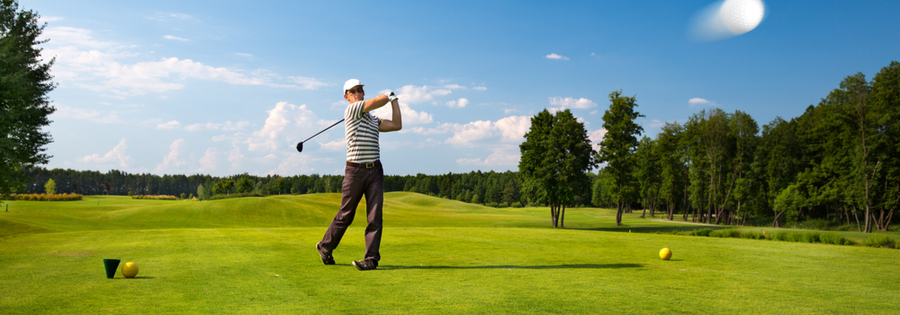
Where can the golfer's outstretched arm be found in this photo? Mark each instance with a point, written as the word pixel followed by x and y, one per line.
pixel 396 123
pixel 375 103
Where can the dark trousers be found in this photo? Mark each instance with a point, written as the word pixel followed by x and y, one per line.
pixel 359 182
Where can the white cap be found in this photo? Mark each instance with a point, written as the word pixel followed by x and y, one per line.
pixel 350 84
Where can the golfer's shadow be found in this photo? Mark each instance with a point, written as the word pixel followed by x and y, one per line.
pixel 537 267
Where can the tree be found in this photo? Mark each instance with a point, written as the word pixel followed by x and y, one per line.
pixel 228 185
pixel 778 159
pixel 787 203
pixel 858 103
pixel 24 105
pixel 886 102
pixel 672 170
pixel 510 192
pixel 619 144
pixel 647 174
pixel 575 157
pixel 201 192
pixel 244 184
pixel 555 156
pixel 50 187
pixel 536 164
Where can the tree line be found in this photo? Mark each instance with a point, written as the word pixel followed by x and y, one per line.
pixel 838 162
pixel 487 188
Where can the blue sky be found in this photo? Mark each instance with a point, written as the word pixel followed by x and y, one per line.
pixel 227 87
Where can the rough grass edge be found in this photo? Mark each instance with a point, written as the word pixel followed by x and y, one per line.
pixel 154 197
pixel 802 237
pixel 45 197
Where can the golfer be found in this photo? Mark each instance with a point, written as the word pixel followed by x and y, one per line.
pixel 363 175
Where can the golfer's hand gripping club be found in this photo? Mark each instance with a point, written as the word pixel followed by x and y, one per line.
pixel 391 96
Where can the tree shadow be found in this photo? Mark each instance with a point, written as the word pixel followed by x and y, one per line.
pixel 538 267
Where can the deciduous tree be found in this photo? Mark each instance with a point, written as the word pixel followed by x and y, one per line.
pixel 618 145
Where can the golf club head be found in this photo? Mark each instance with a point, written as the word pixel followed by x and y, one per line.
pixel 300 147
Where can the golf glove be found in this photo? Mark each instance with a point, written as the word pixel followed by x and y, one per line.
pixel 390 95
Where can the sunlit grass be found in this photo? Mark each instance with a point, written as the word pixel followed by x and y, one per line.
pixel 255 255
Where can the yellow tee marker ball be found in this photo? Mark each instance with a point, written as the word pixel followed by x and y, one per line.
pixel 129 270
pixel 665 253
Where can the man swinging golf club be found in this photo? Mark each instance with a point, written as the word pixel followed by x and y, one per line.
pixel 363 175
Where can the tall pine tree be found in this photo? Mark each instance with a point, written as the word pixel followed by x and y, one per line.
pixel 24 106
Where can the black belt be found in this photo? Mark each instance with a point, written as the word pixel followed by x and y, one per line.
pixel 364 165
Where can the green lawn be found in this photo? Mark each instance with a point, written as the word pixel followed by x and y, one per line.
pixel 255 255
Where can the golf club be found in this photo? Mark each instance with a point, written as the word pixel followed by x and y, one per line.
pixel 300 145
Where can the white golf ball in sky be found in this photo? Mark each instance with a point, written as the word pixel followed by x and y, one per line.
pixel 741 16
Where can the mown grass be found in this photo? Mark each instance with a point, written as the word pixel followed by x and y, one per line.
pixel 255 255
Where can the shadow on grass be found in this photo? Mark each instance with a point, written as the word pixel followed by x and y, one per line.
pixel 575 266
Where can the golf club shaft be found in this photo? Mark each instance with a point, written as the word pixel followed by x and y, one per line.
pixel 329 127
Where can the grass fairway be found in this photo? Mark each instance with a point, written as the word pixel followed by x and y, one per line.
pixel 256 255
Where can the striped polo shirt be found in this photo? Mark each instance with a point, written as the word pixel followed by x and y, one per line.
pixel 361 131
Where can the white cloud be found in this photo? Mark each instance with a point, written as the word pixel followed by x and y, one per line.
pixel 308 83
pixel 421 94
pixel 70 36
pixel 454 86
pixel 182 16
pixel 479 88
pixel 243 55
pixel 440 129
pixel 209 161
pixel 407 114
pixel 461 103
pixel 172 17
pixel 468 161
pixel 227 126
pixel 504 155
pixel 49 19
pixel 514 128
pixel 171 37
pixel 656 123
pixel 441 92
pixel 556 57
pixel 466 134
pixel 115 156
pixel 694 102
pixel 596 136
pixel 569 102
pixel 88 63
pixel 509 130
pixel 235 157
pixel 169 125
pixel 96 116
pixel 294 164
pixel 336 145
pixel 172 160
pixel 414 94
pixel 267 159
pixel 280 118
